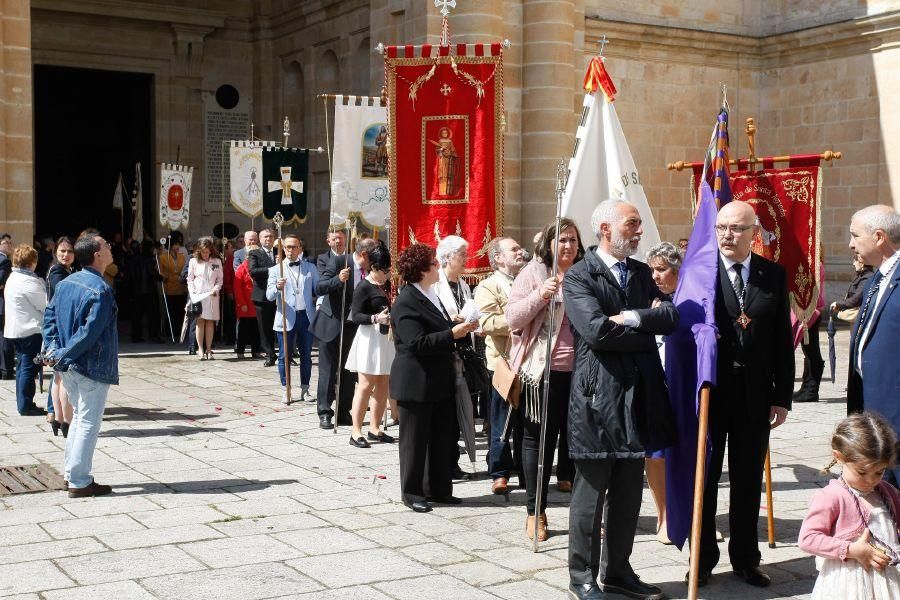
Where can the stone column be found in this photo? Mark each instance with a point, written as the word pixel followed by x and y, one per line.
pixel 548 118
pixel 16 143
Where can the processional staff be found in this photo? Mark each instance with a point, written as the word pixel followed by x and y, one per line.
pixel 278 220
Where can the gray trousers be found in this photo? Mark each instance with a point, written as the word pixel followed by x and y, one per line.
pixel 620 484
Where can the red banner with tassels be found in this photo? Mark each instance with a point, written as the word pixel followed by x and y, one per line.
pixel 445 119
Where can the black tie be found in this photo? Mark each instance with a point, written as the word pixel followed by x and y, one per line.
pixel 296 263
pixel 738 281
pixel 865 313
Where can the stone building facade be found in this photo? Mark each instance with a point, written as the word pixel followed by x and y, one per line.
pixel 816 75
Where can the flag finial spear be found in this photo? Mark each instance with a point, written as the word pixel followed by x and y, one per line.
pixel 724 88
pixel 603 41
pixel 445 6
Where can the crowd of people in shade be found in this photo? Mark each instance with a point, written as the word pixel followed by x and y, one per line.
pixel 600 321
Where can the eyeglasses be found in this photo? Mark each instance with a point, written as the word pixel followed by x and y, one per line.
pixel 292 247
pixel 733 229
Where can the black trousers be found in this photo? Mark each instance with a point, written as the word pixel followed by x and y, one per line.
pixel 557 430
pixel 619 482
pixel 146 308
pixel 247 334
pixel 265 320
pixel 428 449
pixel 229 320
pixel 175 305
pixel 328 366
pixel 738 417
pixel 813 363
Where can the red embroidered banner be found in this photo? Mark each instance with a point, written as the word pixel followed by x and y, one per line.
pixel 786 201
pixel 445 110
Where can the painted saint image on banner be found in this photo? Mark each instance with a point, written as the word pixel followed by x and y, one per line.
pixel 374 152
pixel 444 156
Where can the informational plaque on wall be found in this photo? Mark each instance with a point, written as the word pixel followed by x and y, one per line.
pixel 221 126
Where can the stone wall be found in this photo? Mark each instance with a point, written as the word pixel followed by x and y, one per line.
pixel 16 150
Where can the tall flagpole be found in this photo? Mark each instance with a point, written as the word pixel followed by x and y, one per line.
pixel 560 190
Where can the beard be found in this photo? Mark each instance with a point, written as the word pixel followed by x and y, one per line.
pixel 625 246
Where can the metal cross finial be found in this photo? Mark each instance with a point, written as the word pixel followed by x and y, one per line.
pixel 561 176
pixel 724 88
pixel 286 130
pixel 445 6
pixel 278 219
pixel 603 42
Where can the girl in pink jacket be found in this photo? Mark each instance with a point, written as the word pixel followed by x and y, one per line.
pixel 851 526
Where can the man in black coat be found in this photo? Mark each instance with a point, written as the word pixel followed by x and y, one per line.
pixel 337 246
pixel 335 287
pixel 618 408
pixel 755 382
pixel 7 353
pixel 258 263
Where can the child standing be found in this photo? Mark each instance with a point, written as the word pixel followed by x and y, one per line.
pixel 851 526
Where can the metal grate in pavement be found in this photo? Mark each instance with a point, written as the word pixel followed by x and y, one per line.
pixel 28 479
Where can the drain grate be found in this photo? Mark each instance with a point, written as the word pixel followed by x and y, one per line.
pixel 29 479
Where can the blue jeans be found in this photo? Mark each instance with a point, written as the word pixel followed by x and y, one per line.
pixel 88 399
pixel 26 349
pixel 500 456
pixel 301 338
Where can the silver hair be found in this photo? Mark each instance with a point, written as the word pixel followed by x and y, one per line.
pixel 880 216
pixel 668 252
pixel 606 212
pixel 449 246
pixel 493 250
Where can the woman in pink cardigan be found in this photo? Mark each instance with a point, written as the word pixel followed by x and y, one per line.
pixel 851 525
pixel 535 289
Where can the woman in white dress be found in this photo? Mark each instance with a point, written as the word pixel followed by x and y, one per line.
pixel 372 351
pixel 204 279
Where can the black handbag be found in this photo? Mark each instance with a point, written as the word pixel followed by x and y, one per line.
pixel 474 369
pixel 193 309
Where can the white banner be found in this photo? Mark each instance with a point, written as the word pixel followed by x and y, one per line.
pixel 175 195
pixel 359 181
pixel 603 168
pixel 246 175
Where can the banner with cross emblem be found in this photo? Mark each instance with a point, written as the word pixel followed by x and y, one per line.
pixel 285 174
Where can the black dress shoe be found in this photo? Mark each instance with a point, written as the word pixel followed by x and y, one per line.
pixel 381 437
pixel 702 577
pixel 419 507
pixel 802 395
pixel 754 576
pixel 586 591
pixel 270 362
pixel 445 499
pixel 34 411
pixel 632 587
pixel 462 475
pixel 294 363
pixel 192 353
pixel 359 442
pixel 325 422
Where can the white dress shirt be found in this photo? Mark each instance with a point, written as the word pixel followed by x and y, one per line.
pixel 431 295
pixel 729 264
pixel 630 318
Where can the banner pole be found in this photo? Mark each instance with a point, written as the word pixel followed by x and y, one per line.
pixel 770 509
pixel 699 481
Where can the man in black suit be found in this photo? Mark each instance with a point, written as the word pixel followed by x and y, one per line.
pixel 335 287
pixel 755 372
pixel 337 246
pixel 259 262
pixel 7 353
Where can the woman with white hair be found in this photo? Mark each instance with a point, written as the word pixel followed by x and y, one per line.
pixel 665 260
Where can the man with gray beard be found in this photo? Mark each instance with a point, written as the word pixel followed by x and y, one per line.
pixel 618 407
pixel 507 258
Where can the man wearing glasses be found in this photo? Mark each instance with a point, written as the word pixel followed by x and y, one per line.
pixel 755 374
pixel 80 341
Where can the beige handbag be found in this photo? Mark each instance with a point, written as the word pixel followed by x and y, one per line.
pixel 506 381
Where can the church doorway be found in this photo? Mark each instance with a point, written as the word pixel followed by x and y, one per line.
pixel 89 126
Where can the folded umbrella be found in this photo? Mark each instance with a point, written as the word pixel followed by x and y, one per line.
pixel 832 357
pixel 464 413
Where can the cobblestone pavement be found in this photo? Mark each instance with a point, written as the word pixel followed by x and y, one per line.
pixel 220 492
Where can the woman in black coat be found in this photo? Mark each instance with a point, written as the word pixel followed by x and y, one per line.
pixel 422 382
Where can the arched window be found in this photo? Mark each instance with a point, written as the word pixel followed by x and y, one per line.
pixel 362 70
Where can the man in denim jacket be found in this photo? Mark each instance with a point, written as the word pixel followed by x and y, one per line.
pixel 81 341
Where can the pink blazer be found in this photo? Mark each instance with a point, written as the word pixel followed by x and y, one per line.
pixel 526 310
pixel 833 522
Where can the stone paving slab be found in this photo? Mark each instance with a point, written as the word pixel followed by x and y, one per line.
pixel 222 492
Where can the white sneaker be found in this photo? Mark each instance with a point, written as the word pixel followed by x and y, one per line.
pixel 284 396
pixel 305 396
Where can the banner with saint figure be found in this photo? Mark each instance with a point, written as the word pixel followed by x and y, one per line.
pixel 284 180
pixel 359 178
pixel 445 133
pixel 175 195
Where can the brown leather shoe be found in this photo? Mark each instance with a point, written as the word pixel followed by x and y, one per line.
pixel 94 489
pixel 542 528
pixel 529 527
pixel 500 486
pixel 564 486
